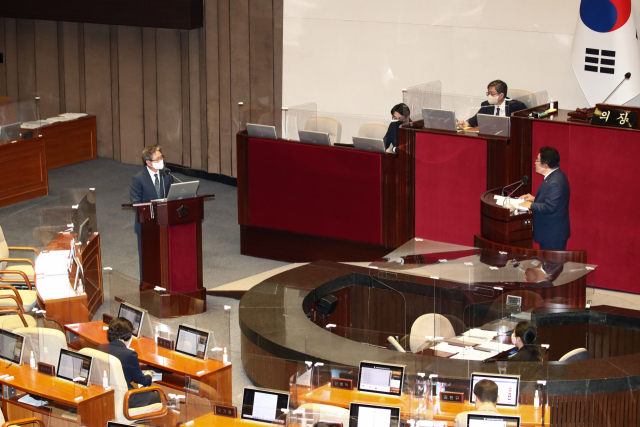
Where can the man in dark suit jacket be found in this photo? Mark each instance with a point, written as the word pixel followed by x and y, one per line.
pixel 550 206
pixel 149 184
pixel 120 336
pixel 497 104
pixel 400 114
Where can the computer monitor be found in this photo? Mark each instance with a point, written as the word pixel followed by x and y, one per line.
pixel 11 347
pixel 381 378
pixel 261 131
pixel 497 420
pixel 10 132
pixel 134 314
pixel 372 144
pixel 313 137
pixel 183 190
pixel 192 342
pixel 74 367
pixel 439 119
pixel 489 124
pixel 265 406
pixel 364 415
pixel 508 388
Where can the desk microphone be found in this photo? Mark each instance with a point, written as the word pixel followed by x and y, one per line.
pixel 523 181
pixel 167 171
pixel 626 77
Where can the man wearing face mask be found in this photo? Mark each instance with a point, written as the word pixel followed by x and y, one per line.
pixel 148 184
pixel 497 104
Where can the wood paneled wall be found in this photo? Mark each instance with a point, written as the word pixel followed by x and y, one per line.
pixel 178 88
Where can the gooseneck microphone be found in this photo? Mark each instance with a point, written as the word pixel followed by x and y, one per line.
pixel 167 171
pixel 523 181
pixel 626 77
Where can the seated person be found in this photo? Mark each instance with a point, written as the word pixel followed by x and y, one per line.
pixel 486 397
pixel 120 337
pixel 525 340
pixel 400 114
pixel 497 104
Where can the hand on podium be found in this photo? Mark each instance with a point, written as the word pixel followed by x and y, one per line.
pixel 528 198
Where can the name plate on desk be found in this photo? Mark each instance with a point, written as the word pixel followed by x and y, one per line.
pixel 451 396
pixel 107 318
pixel 45 368
pixel 165 343
pixel 342 383
pixel 226 411
pixel 615 118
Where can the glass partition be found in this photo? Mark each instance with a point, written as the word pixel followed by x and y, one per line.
pixel 20 119
pixel 531 100
pixel 426 95
pixel 296 117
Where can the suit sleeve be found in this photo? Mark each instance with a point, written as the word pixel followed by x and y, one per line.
pixel 132 365
pixel 552 200
pixel 135 194
pixel 473 121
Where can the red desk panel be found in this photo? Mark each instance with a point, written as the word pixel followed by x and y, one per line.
pixel 451 172
pixel 601 165
pixel 317 190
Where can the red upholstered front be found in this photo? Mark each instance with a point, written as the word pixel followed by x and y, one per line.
pixel 183 261
pixel 451 175
pixel 318 190
pixel 602 166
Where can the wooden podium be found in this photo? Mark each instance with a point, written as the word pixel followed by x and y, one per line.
pixel 172 256
pixel 498 225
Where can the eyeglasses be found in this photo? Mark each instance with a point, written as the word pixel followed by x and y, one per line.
pixel 537 161
pixel 493 94
pixel 157 159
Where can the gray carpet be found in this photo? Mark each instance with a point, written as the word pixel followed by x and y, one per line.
pixel 222 262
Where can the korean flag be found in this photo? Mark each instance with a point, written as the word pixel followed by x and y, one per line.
pixel 604 49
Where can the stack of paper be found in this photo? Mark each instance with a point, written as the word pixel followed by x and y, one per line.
pixel 27 399
pixel 35 124
pixel 469 353
pixel 496 347
pixel 443 346
pixel 72 116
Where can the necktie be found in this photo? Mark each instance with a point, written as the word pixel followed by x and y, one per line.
pixel 157 184
pixel 497 111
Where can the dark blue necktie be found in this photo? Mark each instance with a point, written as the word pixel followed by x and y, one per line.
pixel 157 184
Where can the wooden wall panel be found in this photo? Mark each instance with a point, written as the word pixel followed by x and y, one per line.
pixel 176 88
pixel 97 65
pixel 130 94
pixel 169 94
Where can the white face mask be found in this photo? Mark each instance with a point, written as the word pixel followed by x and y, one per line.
pixel 493 100
pixel 158 165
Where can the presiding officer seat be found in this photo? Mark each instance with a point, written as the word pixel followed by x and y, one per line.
pixel 104 362
pixel 327 125
pixel 372 130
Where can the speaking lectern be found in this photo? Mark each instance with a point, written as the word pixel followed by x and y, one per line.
pixel 500 226
pixel 171 233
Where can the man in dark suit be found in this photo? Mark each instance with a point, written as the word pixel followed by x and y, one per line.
pixel 497 104
pixel 550 206
pixel 400 115
pixel 120 336
pixel 148 184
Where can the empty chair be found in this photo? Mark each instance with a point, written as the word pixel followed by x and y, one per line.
pixel 326 125
pixel 25 298
pixel 45 343
pixel 319 412
pixel 104 362
pixel 22 266
pixel 13 318
pixel 431 324
pixel 394 344
pixel 372 130
pixel 577 354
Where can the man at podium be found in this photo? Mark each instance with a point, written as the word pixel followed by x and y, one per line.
pixel 550 206
pixel 497 104
pixel 148 184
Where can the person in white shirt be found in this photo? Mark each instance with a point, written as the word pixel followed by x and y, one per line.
pixel 486 398
pixel 497 104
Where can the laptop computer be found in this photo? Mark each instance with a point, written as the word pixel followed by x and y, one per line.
pixel 439 119
pixel 494 125
pixel 314 137
pixel 10 132
pixel 261 131
pixel 372 144
pixel 183 190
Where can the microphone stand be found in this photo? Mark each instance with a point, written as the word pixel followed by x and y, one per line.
pixel 626 77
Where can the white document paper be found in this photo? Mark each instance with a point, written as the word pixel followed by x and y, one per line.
pixel 264 406
pixel 374 417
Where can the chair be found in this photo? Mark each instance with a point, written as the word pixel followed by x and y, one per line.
pixel 394 344
pixel 11 270
pixel 14 318
pixel 431 324
pixel 372 130
pixel 103 362
pixel 325 124
pixel 26 298
pixel 45 343
pixel 22 422
pixel 577 354
pixel 320 412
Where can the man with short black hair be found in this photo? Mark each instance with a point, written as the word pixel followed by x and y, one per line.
pixel 486 398
pixel 497 104
pixel 550 206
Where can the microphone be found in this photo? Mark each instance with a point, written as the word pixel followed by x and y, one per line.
pixel 524 180
pixel 627 76
pixel 167 171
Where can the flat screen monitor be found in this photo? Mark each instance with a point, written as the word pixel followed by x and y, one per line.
pixel 183 190
pixel 74 367
pixel 372 144
pixel 494 125
pixel 10 132
pixel 192 342
pixel 313 137
pixel 364 415
pixel 497 420
pixel 265 406
pixel 381 378
pixel 439 119
pixel 508 388
pixel 11 346
pixel 135 315
pixel 261 131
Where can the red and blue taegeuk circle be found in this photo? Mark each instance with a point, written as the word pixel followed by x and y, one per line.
pixel 605 16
